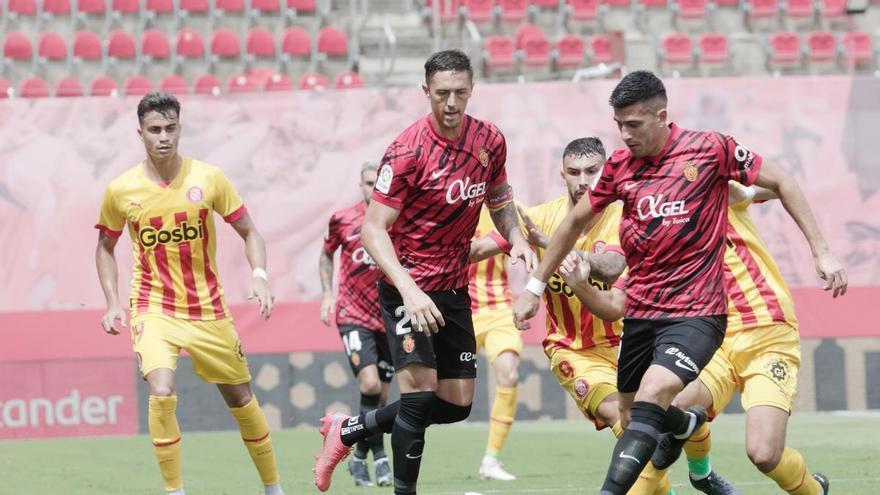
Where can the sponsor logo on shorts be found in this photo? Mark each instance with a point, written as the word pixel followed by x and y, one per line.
pixel 408 344
pixel 355 359
pixel 779 370
pixel 581 388
pixel 684 362
pixel 466 357
pixel 195 195
pixel 566 369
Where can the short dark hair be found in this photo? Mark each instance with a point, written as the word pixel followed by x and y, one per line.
pixel 586 146
pixel 637 87
pixel 160 102
pixel 454 60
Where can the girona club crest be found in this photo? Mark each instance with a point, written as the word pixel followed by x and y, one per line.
pixel 195 195
pixel 484 156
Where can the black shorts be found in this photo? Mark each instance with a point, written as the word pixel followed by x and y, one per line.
pixel 452 351
pixel 365 347
pixel 682 345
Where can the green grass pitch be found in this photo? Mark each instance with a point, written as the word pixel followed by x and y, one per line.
pixel 551 457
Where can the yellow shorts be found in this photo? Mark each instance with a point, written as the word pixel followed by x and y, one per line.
pixel 496 333
pixel 589 376
pixel 213 345
pixel 762 363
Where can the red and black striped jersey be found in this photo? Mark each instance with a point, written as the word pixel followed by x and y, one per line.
pixel 357 302
pixel 439 186
pixel 674 221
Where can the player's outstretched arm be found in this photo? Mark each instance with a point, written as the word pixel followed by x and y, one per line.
pixel 607 267
pixel 374 236
pixel 560 245
pixel 795 203
pixel 255 250
pixel 606 304
pixel 504 216
pixel 484 248
pixel 325 267
pixel 108 275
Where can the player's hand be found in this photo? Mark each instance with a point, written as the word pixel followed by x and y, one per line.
pixel 536 237
pixel 524 309
pixel 423 313
pixel 263 295
pixel 327 304
pixel 575 269
pixel 832 272
pixel 522 251
pixel 108 321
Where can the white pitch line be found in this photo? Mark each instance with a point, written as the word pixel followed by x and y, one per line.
pixel 580 488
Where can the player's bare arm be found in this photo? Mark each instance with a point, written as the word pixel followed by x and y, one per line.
pixel 786 188
pixel 105 259
pixel 325 267
pixel 560 245
pixel 738 193
pixel 576 270
pixel 507 223
pixel 374 236
pixel 255 250
pixel 606 267
pixel 483 249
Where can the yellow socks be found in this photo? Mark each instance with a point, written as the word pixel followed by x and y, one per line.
pixel 165 432
pixel 255 434
pixel 651 481
pixel 793 476
pixel 501 419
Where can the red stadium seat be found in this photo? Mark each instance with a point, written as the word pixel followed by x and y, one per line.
pixel 526 30
pixel 858 47
pixel 822 46
pixel 103 86
pixel 479 11
pixel 713 49
pixel 23 8
pixel 500 53
pixel 450 10
pixel 278 82
pixel 160 7
pixel 536 50
pixel 207 85
pixel 313 81
pixel 270 7
pixel 762 9
pixel 620 4
pixel 5 89
pixel 56 7
pixel 87 46
pixel 225 44
pixel 190 44
pixel 138 86
pixel 583 10
pixel 120 45
pixel 155 44
pixel 677 49
pixel 68 87
pixel 51 46
pixel 785 48
pixel 91 7
pixel 513 11
pixel 691 9
pixel 260 43
pixel 34 87
pixel 240 83
pixel 17 46
pixel 303 6
pixel 296 42
pixel 230 6
pixel 332 42
pixel 652 4
pixel 600 46
pixel 195 6
pixel 570 50
pixel 832 9
pixel 126 7
pixel 800 9
pixel 349 80
pixel 174 84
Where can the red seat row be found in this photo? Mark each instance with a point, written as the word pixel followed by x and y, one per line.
pixel 27 8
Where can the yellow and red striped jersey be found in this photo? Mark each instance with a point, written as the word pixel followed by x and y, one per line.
pixel 173 237
pixel 489 288
pixel 757 295
pixel 570 325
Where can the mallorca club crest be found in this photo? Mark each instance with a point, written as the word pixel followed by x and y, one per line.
pixel 195 195
pixel 581 388
pixel 690 171
pixel 483 156
pixel 355 359
pixel 409 343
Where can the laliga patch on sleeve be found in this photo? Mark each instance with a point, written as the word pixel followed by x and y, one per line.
pixel 383 183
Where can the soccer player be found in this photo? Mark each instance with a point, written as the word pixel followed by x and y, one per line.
pixel 433 181
pixel 492 307
pixel 582 348
pixel 176 299
pixel 673 183
pixel 359 321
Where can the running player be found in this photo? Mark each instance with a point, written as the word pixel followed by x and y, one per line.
pixel 582 348
pixel 492 307
pixel 434 179
pixel 673 183
pixel 176 300
pixel 359 322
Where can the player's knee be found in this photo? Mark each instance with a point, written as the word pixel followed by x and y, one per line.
pixel 162 390
pixel 370 384
pixel 509 377
pixel 765 457
pixel 445 412
pixel 240 400
pixel 656 392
